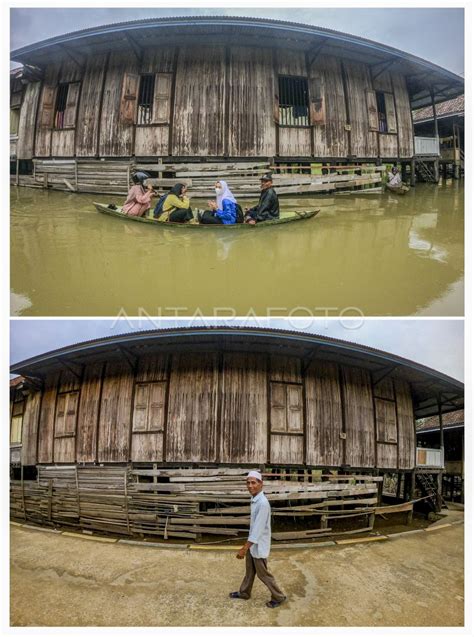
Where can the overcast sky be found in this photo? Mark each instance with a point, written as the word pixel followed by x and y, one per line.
pixel 436 35
pixel 436 343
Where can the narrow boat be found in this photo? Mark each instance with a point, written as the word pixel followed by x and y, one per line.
pixel 285 217
pixel 399 190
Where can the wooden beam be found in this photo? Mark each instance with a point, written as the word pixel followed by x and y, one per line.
pixel 314 53
pixel 72 367
pixel 384 68
pixel 78 61
pixel 137 50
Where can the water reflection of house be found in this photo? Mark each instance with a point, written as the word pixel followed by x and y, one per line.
pixel 430 439
pixel 444 125
pixel 174 90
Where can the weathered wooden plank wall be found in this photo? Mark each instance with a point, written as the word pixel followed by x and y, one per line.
pixel 191 433
pixel 359 417
pixel 116 136
pixel 330 137
pixel 406 426
pixel 44 125
pixel 244 414
pixel 251 85
pixel 26 127
pixel 47 415
pixel 115 411
pixel 324 415
pixel 199 119
pixel 405 129
pixel 222 105
pixel 358 81
pixel 221 407
pixel 87 128
pixel 88 417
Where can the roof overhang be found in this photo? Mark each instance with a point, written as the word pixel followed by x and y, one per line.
pixel 423 77
pixel 429 387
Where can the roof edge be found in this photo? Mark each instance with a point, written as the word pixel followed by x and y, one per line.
pixel 225 330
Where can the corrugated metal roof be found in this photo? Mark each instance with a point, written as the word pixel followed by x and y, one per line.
pixel 379 52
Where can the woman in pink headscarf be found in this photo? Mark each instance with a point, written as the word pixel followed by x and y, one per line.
pixel 224 209
pixel 138 198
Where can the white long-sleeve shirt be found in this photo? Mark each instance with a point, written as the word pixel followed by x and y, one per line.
pixel 260 526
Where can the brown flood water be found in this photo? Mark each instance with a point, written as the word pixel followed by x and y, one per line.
pixel 382 254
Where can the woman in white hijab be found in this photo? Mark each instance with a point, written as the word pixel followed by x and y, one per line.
pixel 224 209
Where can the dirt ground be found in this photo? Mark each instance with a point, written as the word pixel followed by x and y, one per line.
pixel 58 580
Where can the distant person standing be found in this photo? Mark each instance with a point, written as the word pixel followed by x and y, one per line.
pixel 268 207
pixel 257 548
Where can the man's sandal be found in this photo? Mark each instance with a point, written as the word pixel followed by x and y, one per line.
pixel 237 595
pixel 273 603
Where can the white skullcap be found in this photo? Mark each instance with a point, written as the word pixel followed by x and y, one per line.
pixel 255 474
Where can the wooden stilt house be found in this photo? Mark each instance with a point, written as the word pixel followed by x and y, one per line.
pixel 174 418
pixel 171 94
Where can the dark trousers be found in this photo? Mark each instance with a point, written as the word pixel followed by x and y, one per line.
pixel 209 217
pixel 258 566
pixel 181 215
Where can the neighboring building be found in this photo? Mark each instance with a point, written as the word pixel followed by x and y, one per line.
pixel 187 89
pixel 447 129
pixel 451 440
pixel 223 397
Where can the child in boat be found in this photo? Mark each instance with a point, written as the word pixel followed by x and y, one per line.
pixel 268 207
pixel 138 198
pixel 176 206
pixel 224 209
pixel 395 181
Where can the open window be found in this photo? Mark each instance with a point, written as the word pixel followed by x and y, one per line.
pixel 381 112
pixel 145 99
pixel 293 101
pixel 67 97
pixel 16 425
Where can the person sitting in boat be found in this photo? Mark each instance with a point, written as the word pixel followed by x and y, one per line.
pixel 139 197
pixel 394 181
pixel 176 207
pixel 268 207
pixel 224 209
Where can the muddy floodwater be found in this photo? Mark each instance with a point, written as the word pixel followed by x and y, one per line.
pixel 381 254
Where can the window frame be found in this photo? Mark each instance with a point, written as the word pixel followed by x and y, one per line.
pixel 301 78
pixel 17 401
pixel 66 433
pixel 152 99
pixel 287 386
pixel 148 383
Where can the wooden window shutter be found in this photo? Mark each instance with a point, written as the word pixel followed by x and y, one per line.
pixel 317 108
pixel 386 419
pixel 276 109
pixel 390 113
pixel 128 104
pixel 140 411
pixel 294 402
pixel 278 407
pixel 156 407
pixel 71 412
pixel 372 110
pixel 59 427
pixel 162 98
pixel 71 105
pixel 47 107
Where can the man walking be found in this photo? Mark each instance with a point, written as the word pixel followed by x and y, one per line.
pixel 257 548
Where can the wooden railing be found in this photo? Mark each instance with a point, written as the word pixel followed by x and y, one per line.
pixel 427 146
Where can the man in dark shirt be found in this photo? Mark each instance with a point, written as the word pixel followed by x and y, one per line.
pixel 268 207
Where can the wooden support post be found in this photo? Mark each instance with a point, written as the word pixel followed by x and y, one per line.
pixel 439 497
pixel 75 174
pixel 50 500
pixel 23 492
pixel 125 489
pixel 412 172
pixel 78 498
pixel 436 170
pixel 379 493
pixel 45 180
pixel 17 177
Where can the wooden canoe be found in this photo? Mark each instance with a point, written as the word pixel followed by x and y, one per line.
pixel 399 190
pixel 285 217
